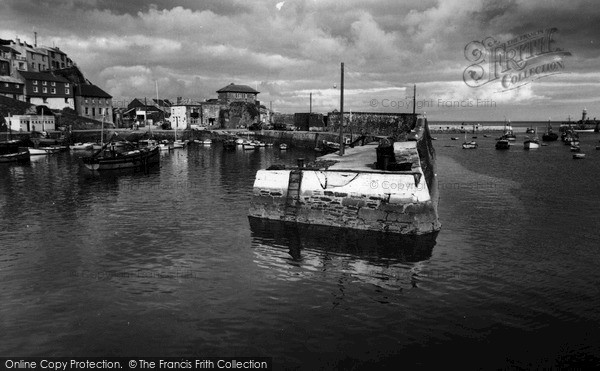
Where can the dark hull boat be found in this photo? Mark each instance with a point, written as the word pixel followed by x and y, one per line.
pixel 139 158
pixel 15 157
pixel 503 144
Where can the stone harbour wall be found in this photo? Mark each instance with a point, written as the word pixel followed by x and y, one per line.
pixel 383 202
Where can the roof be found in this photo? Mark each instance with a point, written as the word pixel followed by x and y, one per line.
pixel 233 88
pixel 10 79
pixel 6 48
pixel 162 102
pixel 42 76
pixel 52 49
pixel 89 90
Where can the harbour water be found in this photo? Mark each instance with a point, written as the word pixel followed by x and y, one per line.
pixel 167 264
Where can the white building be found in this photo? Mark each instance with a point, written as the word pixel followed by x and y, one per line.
pixel 31 122
pixel 186 116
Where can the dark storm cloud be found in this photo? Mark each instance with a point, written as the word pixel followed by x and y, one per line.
pixel 293 47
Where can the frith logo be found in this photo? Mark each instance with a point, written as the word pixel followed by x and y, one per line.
pixel 513 63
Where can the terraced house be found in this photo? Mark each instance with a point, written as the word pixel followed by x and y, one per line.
pixel 93 102
pixel 43 88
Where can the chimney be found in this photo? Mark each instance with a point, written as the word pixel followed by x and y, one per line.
pixel 35 39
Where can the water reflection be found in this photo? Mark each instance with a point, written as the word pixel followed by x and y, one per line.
pixel 295 252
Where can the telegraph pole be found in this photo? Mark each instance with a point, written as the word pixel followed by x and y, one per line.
pixel 342 111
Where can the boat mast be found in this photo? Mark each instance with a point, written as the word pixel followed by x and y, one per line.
pixel 102 133
pixel 342 111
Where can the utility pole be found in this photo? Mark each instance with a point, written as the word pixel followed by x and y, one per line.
pixel 310 107
pixel 342 111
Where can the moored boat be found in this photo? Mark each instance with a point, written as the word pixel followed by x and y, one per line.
pixel 549 135
pixel 283 146
pixel 15 157
pixel 82 146
pixel 578 156
pixel 503 144
pixel 531 144
pixel 139 158
pixel 469 145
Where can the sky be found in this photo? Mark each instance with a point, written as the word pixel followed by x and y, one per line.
pixel 289 50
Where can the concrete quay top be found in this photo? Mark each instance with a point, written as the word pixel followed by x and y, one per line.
pixel 363 158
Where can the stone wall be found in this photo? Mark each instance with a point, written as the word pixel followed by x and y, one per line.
pixel 386 202
pixel 373 123
pixel 302 139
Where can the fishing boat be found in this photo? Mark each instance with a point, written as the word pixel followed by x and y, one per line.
pixel 82 146
pixel 454 138
pixel 469 145
pixel 42 151
pixel 164 145
pixel 532 143
pixel 146 143
pixel 530 130
pixel 503 144
pixel 239 141
pixel 15 157
pixel 508 133
pixel 570 137
pixel 283 146
pixel 139 158
pixel 249 146
pixel 578 156
pixel 549 135
pixel 575 149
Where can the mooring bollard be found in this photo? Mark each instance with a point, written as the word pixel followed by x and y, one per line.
pixel 300 162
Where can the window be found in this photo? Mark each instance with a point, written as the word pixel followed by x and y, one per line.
pixel 53 83
pixel 87 101
pixel 44 90
pixel 66 84
pixel 53 90
pixel 32 56
pixel 35 89
pixel 93 111
pixel 87 111
pixel 34 82
pixel 6 85
pixel 16 86
pixel 44 82
pixel 94 100
pixel 67 91
pixel 66 100
pixel 45 100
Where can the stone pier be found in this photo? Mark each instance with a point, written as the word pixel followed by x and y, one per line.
pixel 350 192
